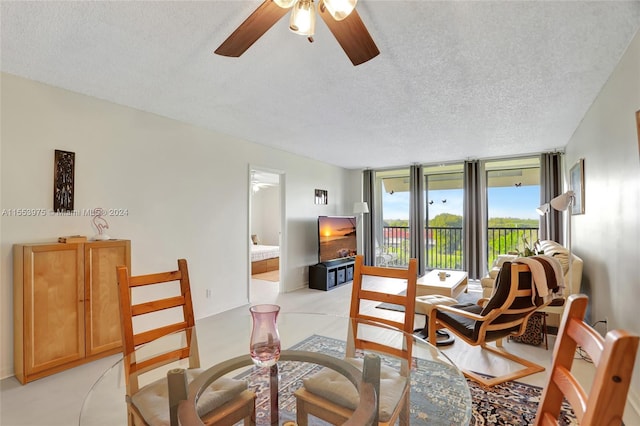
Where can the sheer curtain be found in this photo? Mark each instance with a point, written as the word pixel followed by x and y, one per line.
pixel 475 235
pixel 551 187
pixel 416 216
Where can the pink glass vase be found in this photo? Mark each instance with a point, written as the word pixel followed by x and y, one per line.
pixel 265 341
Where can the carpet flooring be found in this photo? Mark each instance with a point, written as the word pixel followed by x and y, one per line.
pixel 511 403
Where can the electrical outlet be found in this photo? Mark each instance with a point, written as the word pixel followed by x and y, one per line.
pixel 208 293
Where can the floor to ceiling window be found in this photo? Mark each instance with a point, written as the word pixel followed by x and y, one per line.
pixel 392 227
pixel 513 194
pixel 444 213
pixel 511 222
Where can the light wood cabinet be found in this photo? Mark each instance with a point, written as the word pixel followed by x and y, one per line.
pixel 66 308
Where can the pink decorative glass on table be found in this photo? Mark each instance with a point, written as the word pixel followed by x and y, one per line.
pixel 264 346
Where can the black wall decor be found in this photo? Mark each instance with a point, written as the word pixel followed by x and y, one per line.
pixel 63 180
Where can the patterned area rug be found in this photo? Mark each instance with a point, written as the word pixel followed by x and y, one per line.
pixel 511 403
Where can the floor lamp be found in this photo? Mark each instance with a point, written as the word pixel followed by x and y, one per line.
pixel 543 210
pixel 359 209
pixel 561 202
pixel 565 202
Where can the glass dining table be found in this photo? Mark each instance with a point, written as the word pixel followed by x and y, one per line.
pixel 439 393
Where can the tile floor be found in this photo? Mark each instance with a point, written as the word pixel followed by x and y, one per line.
pixel 56 400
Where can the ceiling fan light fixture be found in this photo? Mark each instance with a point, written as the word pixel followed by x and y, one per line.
pixel 285 4
pixel 340 9
pixel 303 18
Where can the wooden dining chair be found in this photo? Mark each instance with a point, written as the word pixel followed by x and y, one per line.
pixel 328 395
pixel 613 356
pixel 228 401
pixel 505 314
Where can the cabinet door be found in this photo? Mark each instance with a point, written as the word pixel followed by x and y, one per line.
pixel 103 329
pixel 53 306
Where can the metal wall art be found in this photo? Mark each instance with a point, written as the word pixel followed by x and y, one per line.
pixel 63 181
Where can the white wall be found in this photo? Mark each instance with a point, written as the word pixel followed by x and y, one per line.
pixel 265 215
pixel 185 189
pixel 607 236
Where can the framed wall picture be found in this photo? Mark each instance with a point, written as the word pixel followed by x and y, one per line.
pixel 638 124
pixel 576 180
pixel 63 180
pixel 322 196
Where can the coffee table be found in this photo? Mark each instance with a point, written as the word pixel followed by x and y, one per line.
pixel 452 286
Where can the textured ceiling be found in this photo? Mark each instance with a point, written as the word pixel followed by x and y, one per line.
pixel 454 79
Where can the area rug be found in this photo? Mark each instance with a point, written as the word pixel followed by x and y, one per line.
pixel 273 276
pixel 511 403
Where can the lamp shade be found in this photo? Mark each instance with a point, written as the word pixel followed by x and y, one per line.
pixel 285 4
pixel 360 208
pixel 562 201
pixel 340 9
pixel 303 18
pixel 543 209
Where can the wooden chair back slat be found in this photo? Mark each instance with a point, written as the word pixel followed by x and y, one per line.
pixel 613 356
pixel 386 321
pixel 379 347
pixel 407 300
pixel 152 363
pixel 571 389
pixel 592 342
pixel 157 305
pixel 133 340
pixel 162 277
pixel 156 333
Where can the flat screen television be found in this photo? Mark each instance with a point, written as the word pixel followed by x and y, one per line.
pixel 336 238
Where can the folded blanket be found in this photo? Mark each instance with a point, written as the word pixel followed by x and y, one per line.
pixel 547 276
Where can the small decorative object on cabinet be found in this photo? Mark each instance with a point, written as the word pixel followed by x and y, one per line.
pixel 65 300
pixel 101 224
pixel 329 275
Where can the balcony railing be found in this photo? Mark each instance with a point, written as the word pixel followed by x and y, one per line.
pixel 445 244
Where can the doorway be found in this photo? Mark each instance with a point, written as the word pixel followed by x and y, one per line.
pixel 265 235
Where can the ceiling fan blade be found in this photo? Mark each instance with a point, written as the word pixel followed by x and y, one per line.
pixel 352 35
pixel 263 18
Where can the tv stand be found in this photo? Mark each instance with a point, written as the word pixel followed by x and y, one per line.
pixel 329 275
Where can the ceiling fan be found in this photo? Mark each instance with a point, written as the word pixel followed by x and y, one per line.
pixel 339 15
pixel 263 180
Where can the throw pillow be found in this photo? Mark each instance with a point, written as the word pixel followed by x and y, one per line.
pixel 560 253
pixel 563 258
pixel 533 334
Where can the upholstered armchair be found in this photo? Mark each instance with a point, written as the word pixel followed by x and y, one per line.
pixel 571 280
pixel 550 248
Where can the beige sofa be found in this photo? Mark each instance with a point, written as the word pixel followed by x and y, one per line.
pixel 550 248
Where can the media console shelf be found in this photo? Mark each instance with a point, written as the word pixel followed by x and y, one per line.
pixel 327 276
